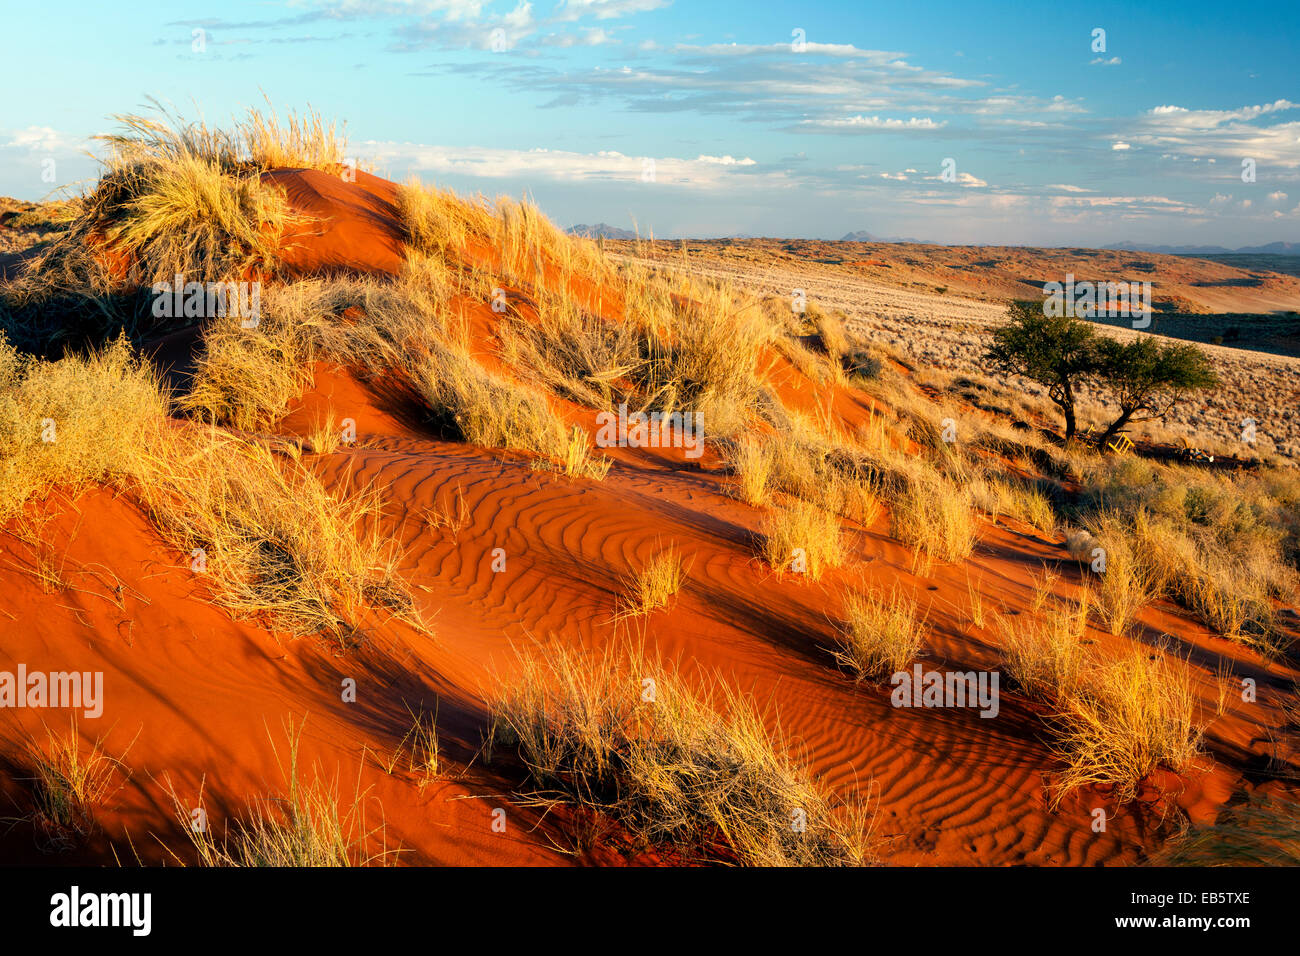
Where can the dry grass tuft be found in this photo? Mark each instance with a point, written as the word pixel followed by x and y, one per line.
pixel 246 378
pixel 68 784
pixel 672 771
pixel 880 635
pixel 309 826
pixel 801 538
pixel 277 544
pixel 1127 717
pixel 71 423
pixel 1044 653
pixel 934 516
pixel 1131 579
pixel 420 748
pixel 655 584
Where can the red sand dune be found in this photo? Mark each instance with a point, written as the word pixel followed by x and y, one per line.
pixel 199 698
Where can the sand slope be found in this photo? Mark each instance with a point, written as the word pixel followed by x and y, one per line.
pixel 198 697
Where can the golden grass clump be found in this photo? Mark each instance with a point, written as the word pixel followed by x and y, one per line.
pixel 579 355
pixel 274 540
pixel 834 339
pixel 800 460
pixel 700 353
pixel 276 543
pixel 880 634
pixel 482 408
pixel 71 423
pixel 671 770
pixel 1016 499
pixel 174 198
pixel 438 222
pixel 654 586
pixel 309 826
pixel 801 538
pixel 298 140
pixel 1126 717
pixel 1226 548
pixel 189 217
pixel 1131 579
pixel 934 516
pixel 1044 653
pixel 246 378
pixel 751 466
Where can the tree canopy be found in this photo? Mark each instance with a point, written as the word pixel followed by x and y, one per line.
pixel 1147 378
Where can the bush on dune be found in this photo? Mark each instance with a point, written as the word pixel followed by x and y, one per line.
pixel 673 772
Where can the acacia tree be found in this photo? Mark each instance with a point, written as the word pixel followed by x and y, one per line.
pixel 1059 352
pixel 1149 379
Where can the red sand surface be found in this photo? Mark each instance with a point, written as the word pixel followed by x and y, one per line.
pixel 194 698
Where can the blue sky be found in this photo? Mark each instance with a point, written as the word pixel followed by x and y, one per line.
pixel 721 118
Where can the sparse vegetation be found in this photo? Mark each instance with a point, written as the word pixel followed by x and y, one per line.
pixel 1045 653
pixel 502 332
pixel 673 772
pixel 654 586
pixel 880 634
pixel 801 538
pixel 68 784
pixel 1126 717
pixel 308 826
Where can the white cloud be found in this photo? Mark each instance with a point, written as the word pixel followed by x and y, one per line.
pixel 1208 134
pixel 480 162
pixel 963 179
pixel 605 9
pixel 1120 146
pixel 874 123
pixel 1101 61
pixel 41 138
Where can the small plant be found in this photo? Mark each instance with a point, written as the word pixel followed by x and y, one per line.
pixel 704 784
pixel 1044 654
pixel 325 436
pixel 1127 717
pixel 934 516
pixel 880 635
pixel 1130 580
pixel 655 584
pixel 801 538
pixel 309 826
pixel 751 467
pixel 68 783
pixel 451 517
pixel 421 749
pixel 977 615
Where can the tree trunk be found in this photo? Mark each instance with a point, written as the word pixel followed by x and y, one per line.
pixel 1071 425
pixel 1065 399
pixel 1105 440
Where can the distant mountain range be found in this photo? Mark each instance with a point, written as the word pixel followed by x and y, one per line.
pixel 601 230
pixel 861 236
pixel 1271 249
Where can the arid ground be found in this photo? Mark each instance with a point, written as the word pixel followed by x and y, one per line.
pixel 365 586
